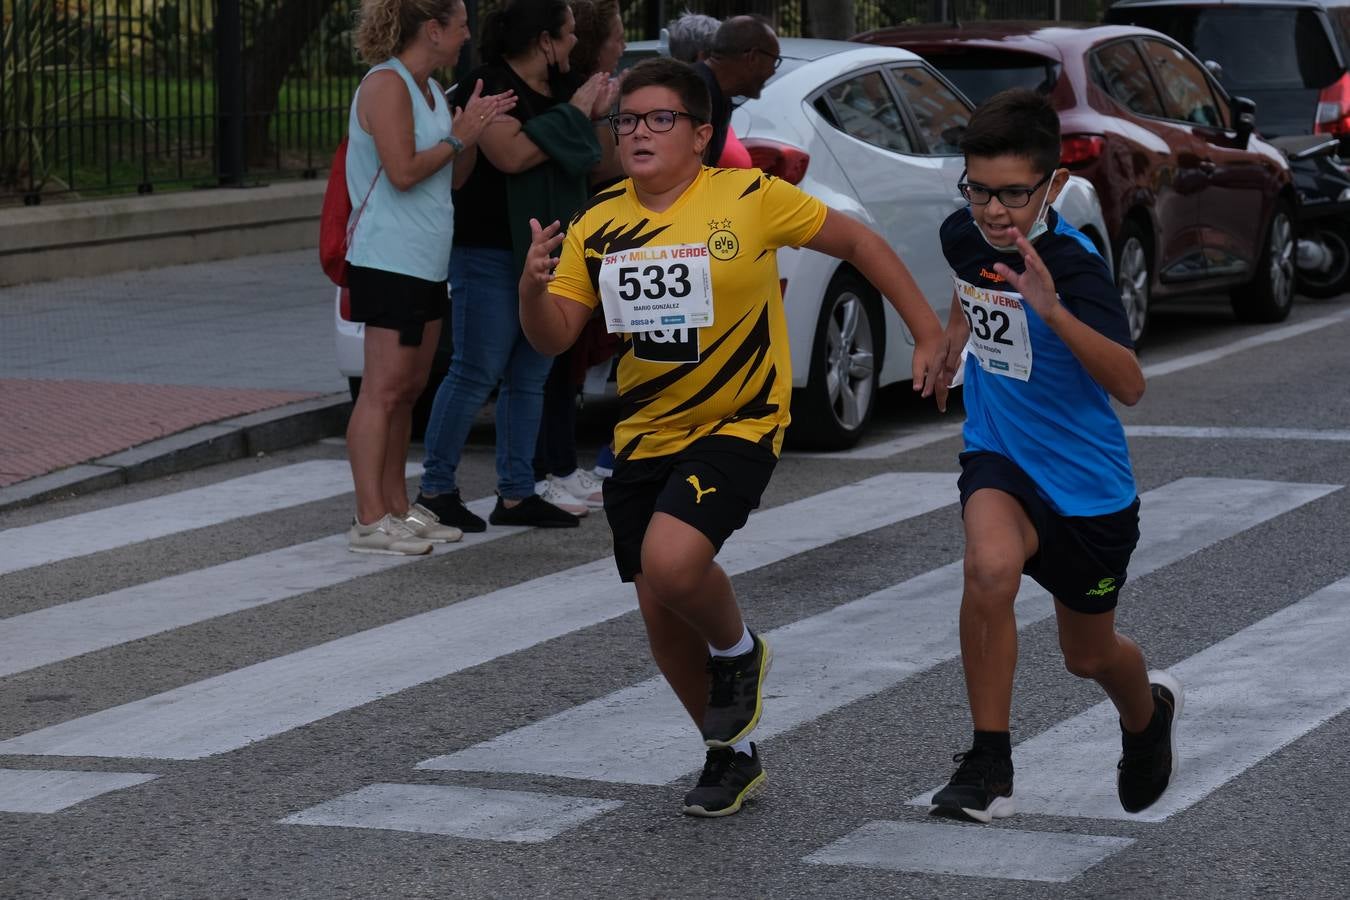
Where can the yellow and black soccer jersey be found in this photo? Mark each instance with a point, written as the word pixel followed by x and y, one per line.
pixel 733 377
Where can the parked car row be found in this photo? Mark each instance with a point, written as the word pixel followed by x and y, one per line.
pixel 1194 202
pixel 1173 178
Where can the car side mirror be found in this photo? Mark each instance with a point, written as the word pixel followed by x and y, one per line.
pixel 1244 115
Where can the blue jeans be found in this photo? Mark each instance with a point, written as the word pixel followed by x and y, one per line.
pixel 490 350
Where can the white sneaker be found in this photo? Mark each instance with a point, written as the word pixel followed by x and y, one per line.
pixel 582 485
pixel 552 492
pixel 425 524
pixel 388 536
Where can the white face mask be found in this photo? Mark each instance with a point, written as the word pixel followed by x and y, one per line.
pixel 1038 228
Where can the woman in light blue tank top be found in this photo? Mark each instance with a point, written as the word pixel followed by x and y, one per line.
pixel 402 141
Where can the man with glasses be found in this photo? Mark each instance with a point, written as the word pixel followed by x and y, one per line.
pixel 744 57
pixel 680 257
pixel 1046 484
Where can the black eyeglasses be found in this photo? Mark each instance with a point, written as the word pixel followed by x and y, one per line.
pixel 1010 197
pixel 777 60
pixel 657 120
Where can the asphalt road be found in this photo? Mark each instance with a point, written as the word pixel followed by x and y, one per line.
pixel 289 720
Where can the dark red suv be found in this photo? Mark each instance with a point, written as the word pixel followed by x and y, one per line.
pixel 1194 202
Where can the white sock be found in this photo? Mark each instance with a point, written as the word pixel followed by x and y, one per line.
pixel 740 648
pixel 743 747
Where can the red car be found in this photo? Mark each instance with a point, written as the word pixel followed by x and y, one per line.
pixel 1193 200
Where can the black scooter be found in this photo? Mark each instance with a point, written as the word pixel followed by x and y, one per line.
pixel 1323 184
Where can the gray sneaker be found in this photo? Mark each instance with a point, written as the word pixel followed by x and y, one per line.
pixel 425 524
pixel 388 536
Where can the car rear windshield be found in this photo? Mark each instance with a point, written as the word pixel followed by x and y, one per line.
pixel 982 74
pixel 1260 48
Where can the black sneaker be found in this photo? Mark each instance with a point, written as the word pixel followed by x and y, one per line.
pixel 534 511
pixel 735 694
pixel 452 511
pixel 1146 766
pixel 729 779
pixel 981 789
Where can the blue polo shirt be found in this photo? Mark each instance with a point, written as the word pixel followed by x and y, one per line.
pixel 1058 426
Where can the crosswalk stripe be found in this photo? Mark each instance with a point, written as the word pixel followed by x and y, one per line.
pixel 465 812
pixel 49 791
pixel 157 517
pixel 910 440
pixel 962 850
pixel 60 632
pixel 1246 697
pixel 853 651
pixel 251 704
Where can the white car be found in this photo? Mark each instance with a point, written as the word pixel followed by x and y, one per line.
pixel 873 132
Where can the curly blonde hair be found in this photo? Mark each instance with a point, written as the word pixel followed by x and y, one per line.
pixel 386 26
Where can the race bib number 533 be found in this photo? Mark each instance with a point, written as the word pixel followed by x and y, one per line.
pixel 656 288
pixel 998 330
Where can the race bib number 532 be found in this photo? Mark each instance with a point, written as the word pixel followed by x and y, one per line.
pixel 656 288
pixel 998 330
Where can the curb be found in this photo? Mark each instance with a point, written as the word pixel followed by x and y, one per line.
pixel 262 432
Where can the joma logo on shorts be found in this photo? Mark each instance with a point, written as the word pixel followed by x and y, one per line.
pixel 1104 587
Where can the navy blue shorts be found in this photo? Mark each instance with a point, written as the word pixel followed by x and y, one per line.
pixel 1082 560
pixel 711 485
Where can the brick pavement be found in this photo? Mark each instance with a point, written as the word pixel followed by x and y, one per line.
pixel 48 425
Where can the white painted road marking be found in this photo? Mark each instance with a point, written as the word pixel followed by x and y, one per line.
pixel 1246 697
pixel 853 651
pixel 1238 433
pixel 910 440
pixel 983 852
pixel 465 812
pixel 251 704
pixel 157 517
pixel 48 791
pixel 60 632
pixel 1274 335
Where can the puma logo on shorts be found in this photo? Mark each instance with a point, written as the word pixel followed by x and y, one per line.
pixel 699 490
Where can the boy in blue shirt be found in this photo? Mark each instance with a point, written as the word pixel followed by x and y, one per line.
pixel 1046 483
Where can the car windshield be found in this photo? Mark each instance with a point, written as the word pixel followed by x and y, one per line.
pixel 980 75
pixel 1259 48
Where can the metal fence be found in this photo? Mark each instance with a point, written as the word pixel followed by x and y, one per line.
pixel 110 96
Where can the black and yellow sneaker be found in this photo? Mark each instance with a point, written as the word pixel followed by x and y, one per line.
pixel 735 694
pixel 1149 760
pixel 729 779
pixel 981 788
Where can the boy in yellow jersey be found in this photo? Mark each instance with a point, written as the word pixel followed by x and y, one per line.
pixel 681 259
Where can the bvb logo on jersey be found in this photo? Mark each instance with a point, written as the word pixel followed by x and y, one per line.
pixel 722 243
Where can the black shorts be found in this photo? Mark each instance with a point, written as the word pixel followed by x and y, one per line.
pixel 712 485
pixel 1082 560
pixel 395 301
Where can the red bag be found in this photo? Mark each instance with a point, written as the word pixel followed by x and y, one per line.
pixel 336 224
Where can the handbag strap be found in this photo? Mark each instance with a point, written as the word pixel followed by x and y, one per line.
pixel 351 229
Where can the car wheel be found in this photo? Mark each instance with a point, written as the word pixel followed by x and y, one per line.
pixel 1336 279
pixel 1270 295
pixel 832 411
pixel 1134 278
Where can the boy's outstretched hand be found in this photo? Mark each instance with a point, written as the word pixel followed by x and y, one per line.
pixel 539 260
pixel 1035 284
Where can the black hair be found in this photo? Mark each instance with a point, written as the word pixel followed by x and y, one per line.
pixel 513 28
pixel 1015 122
pixel 741 33
pixel 680 77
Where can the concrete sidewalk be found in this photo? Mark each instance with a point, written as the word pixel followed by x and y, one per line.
pixel 134 375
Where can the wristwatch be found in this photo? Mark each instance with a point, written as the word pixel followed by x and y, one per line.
pixel 455 143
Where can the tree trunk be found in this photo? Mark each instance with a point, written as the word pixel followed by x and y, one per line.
pixel 831 19
pixel 278 39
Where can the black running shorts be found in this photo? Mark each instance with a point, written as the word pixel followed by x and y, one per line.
pixel 1082 560
pixel 712 485
pixel 395 301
